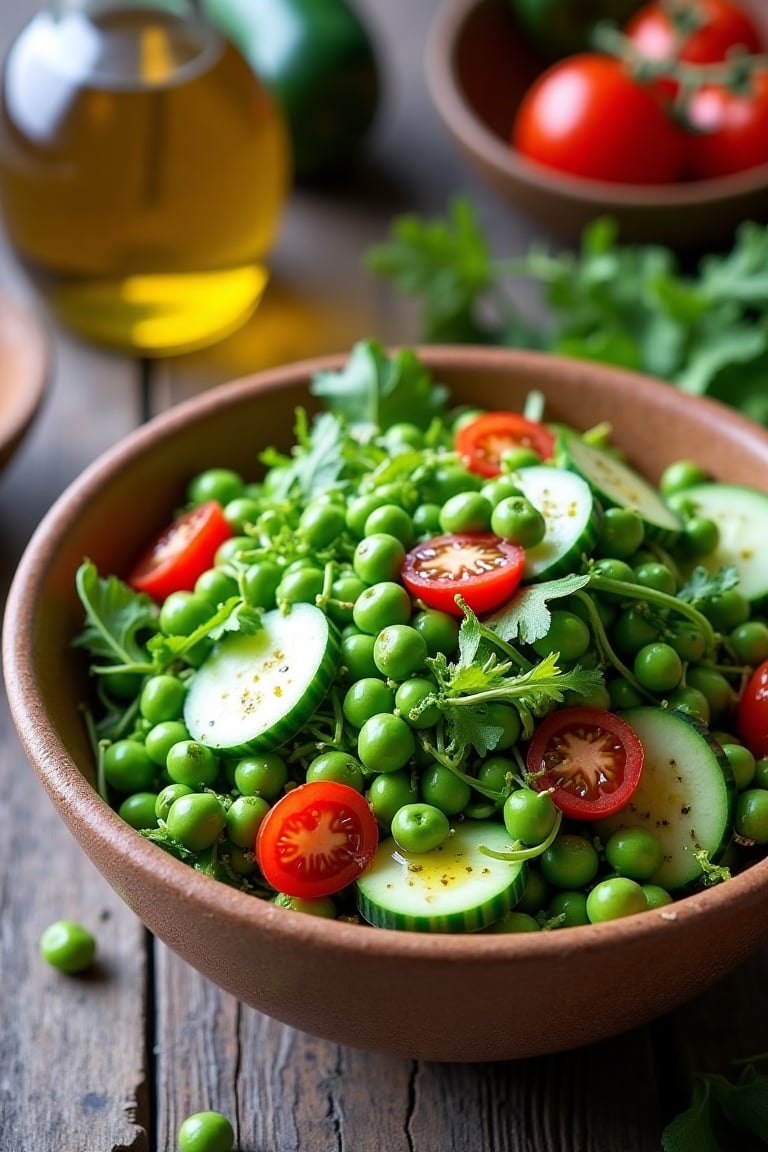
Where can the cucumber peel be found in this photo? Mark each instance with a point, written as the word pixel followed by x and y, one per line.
pixel 254 692
pixel 618 485
pixel 572 517
pixel 454 888
pixel 685 795
pixel 741 515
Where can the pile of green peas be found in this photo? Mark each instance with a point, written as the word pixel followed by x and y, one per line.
pixel 343 548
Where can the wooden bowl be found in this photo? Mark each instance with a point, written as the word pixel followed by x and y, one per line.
pixel 24 370
pixel 479 64
pixel 448 997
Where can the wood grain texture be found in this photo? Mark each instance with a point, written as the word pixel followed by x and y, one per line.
pixel 115 1060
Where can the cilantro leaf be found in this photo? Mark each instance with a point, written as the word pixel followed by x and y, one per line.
pixel 526 616
pixel 703 330
pixel 692 1130
pixel 717 1102
pixel 373 390
pixel 115 617
pixel 745 1103
pixel 703 586
pixel 316 462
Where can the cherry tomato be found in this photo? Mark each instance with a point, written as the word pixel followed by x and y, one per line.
pixel 484 569
pixel 721 26
pixel 316 839
pixel 482 442
pixel 591 758
pixel 729 129
pixel 752 720
pixel 182 552
pixel 587 117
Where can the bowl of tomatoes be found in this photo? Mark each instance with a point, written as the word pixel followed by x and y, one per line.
pixel 423 669
pixel 661 125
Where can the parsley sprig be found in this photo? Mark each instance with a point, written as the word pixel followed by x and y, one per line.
pixel 704 331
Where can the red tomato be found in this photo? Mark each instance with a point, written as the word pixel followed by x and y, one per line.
pixel 484 569
pixel 482 442
pixel 316 839
pixel 721 26
pixel 729 129
pixel 591 759
pixel 182 552
pixel 587 117
pixel 752 723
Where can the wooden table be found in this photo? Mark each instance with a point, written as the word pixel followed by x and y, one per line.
pixel 116 1060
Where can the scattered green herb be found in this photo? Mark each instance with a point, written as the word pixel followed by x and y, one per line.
pixel 720 1110
pixel 634 306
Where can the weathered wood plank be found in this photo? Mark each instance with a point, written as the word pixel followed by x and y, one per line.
pixel 290 1092
pixel 72 1050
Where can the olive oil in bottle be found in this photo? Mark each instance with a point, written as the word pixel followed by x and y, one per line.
pixel 143 169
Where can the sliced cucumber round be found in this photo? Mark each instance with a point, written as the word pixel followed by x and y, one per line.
pixel 685 795
pixel 618 485
pixel 571 514
pixel 254 692
pixel 741 515
pixel 454 888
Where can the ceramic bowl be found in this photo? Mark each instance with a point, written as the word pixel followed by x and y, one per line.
pixel 478 65
pixel 24 369
pixel 416 995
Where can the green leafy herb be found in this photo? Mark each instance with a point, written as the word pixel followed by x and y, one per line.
pixel 374 390
pixel 115 618
pixel 466 687
pixel 705 331
pixel 316 462
pixel 720 1106
pixel 703 586
pixel 526 616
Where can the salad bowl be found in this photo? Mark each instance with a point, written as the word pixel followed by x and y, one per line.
pixel 479 62
pixel 436 996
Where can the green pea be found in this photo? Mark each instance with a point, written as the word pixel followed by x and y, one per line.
pixel 139 810
pixel 220 484
pixel 206 1132
pixel 262 774
pixel 68 946
pixel 244 816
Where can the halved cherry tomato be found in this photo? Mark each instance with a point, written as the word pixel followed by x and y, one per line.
pixel 483 441
pixel 590 758
pixel 484 569
pixel 316 839
pixel 752 723
pixel 182 552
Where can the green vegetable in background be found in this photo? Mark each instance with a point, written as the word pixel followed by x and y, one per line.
pixel 561 27
pixel 318 60
pixel 704 331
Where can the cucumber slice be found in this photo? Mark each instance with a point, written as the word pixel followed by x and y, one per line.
pixel 741 515
pixel 454 888
pixel 254 692
pixel 618 485
pixel 685 795
pixel 572 517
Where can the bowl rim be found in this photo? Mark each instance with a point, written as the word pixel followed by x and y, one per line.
pixel 476 137
pixel 67 786
pixel 25 338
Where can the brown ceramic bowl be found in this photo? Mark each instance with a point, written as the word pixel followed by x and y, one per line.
pixel 441 997
pixel 24 370
pixel 478 65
